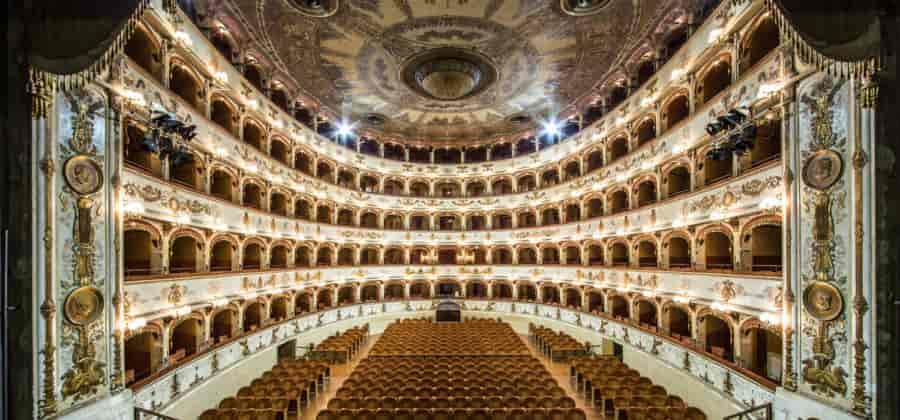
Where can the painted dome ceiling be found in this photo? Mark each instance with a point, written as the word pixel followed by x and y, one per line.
pixel 446 70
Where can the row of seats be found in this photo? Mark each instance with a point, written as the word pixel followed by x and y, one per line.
pixel 426 337
pixel 621 392
pixel 455 414
pixel 558 346
pixel 451 402
pixel 342 347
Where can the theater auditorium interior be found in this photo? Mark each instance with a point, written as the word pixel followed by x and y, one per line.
pixel 451 209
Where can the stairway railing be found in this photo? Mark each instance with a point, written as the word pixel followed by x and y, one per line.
pixel 760 412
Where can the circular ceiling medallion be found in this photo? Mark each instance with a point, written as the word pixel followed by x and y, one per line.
pixel 84 305
pixel 582 7
pixel 448 74
pixel 823 301
pixel 316 8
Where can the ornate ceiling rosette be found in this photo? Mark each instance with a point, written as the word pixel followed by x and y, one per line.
pixel 448 71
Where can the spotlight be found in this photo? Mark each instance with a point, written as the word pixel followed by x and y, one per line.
pixel 738 136
pixel 344 130
pixel 550 129
pixel 167 136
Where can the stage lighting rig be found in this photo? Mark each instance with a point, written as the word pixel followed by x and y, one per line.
pixel 732 132
pixel 168 137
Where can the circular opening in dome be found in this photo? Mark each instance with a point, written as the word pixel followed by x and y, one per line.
pixel 448 74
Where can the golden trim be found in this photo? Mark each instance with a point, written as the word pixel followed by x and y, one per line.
pixel 860 305
pixel 48 402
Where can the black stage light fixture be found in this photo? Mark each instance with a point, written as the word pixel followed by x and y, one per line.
pixel 167 136
pixel 738 136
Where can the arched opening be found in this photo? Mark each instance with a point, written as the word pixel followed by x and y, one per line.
pixel 595 302
pixel 647 254
pixel 417 256
pixel 447 156
pixel 619 253
pixel 619 307
pixel 324 299
pixel 325 172
pixel 448 288
pixel 764 39
pixel 527 219
pixel 572 170
pixel 278 204
pixel 253 317
pixel 345 217
pixel 369 293
pixel 345 295
pixel 368 256
pixel 719 252
pixel 143 356
pixel 527 256
pixel 618 202
pixel 393 291
pixel 278 309
pixel 501 151
pixel 301 257
pixel 716 79
pixel 448 189
pixel 222 256
pixel 594 208
pixel 646 131
pixel 717 337
pixel 448 222
pixel 617 148
pixel 222 185
pixel 646 193
pixel 394 152
pixel 501 290
pixel 550 294
pixel 645 71
pixel 346 179
pixel 679 323
pixel 324 257
pixel 393 187
pixel 573 298
pixel 501 221
pixel 550 216
pixel 223 326
pixel 219 39
pixel 761 352
pixel 475 189
pixel 477 222
pixel 369 220
pixel 549 178
pixel 183 83
pixel 646 314
pixel 573 255
pixel 420 290
pixel 303 163
pixel 302 303
pixel 767 144
pixel 253 74
pixel 393 256
pixel 252 259
pixel 279 97
pixel 677 110
pixel 447 256
pixel 595 160
pixel 137 155
pixel 676 39
pixel 501 256
pixel 527 292
pixel 141 253
pixel 527 183
pixel 550 255
pixel 678 181
pixel 419 189
pixel 715 170
pixel 476 290
pixel 302 209
pixel 183 255
pixel 595 255
pixel 323 214
pixel 188 173
pixel 221 113
pixel 369 147
pixel 279 258
pixel 345 256
pixel 253 135
pixel 393 221
pixel 679 251
pixel 144 52
pixel 252 196
pixel 766 248
pixel 186 339
pixel 368 183
pixel 279 151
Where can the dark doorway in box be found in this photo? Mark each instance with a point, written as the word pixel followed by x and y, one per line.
pixel 618 351
pixel 287 350
pixel 448 312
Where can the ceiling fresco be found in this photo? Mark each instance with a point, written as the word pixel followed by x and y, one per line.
pixel 446 70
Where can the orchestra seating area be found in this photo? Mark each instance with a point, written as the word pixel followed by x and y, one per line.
pixel 342 347
pixel 558 346
pixel 475 369
pixel 619 392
